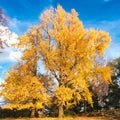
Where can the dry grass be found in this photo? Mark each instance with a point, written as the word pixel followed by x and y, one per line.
pixel 106 115
pixel 67 118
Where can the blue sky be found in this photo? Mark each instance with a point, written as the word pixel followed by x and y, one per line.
pixel 98 14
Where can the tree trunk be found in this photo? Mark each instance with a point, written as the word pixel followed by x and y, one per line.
pixel 32 113
pixel 85 107
pixel 60 110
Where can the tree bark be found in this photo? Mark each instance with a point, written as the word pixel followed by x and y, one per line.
pixel 60 111
pixel 85 107
pixel 32 113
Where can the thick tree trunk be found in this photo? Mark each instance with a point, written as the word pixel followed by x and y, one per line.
pixel 32 113
pixel 61 111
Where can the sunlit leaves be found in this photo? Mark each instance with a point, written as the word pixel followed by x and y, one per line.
pixel 24 90
pixel 69 53
pixel 62 95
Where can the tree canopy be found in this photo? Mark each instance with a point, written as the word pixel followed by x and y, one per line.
pixel 69 53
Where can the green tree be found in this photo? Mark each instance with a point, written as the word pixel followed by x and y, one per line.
pixel 113 97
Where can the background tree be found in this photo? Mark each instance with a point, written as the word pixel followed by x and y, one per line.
pixel 112 99
pixel 48 83
pixel 100 88
pixel 23 90
pixel 68 52
pixel 25 76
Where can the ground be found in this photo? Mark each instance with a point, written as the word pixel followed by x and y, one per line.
pixel 101 115
pixel 77 118
pixel 67 118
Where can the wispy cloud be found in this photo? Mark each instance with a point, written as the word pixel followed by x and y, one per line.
pixel 20 27
pixel 113 51
pixel 8 53
pixel 1 67
pixel 1 80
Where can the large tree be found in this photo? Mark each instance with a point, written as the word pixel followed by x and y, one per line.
pixel 69 54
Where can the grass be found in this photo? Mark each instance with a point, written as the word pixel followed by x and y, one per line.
pixel 67 118
pixel 105 115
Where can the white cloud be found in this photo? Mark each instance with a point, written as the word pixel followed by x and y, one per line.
pixel 2 101
pixel 8 53
pixel 15 55
pixel 7 35
pixel 113 51
pixel 1 81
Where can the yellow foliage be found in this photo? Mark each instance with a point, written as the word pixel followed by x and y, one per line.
pixel 62 95
pixel 22 89
pixel 68 52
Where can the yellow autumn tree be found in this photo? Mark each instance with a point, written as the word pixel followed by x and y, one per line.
pixel 23 87
pixel 69 54
pixel 23 90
